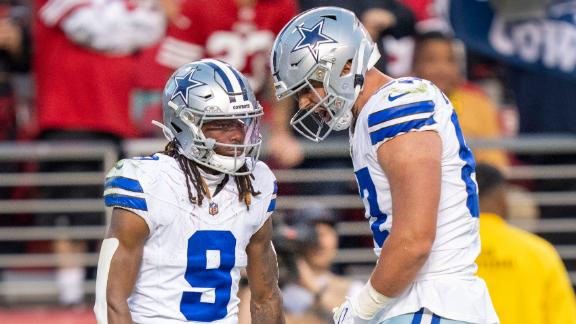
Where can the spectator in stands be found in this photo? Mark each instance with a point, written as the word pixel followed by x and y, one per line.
pixel 317 290
pixel 436 59
pixel 84 63
pixel 427 15
pixel 390 24
pixel 525 275
pixel 14 58
pixel 242 35
pixel 307 245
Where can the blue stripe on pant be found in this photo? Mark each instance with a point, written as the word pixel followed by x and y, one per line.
pixel 423 316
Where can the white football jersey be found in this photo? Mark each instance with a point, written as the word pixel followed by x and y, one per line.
pixel 446 284
pixel 194 254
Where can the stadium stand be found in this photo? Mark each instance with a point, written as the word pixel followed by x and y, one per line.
pixel 27 279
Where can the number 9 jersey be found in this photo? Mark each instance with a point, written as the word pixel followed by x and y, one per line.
pixel 193 256
pixel 446 283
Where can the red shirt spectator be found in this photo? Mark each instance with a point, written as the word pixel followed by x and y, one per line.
pixel 81 86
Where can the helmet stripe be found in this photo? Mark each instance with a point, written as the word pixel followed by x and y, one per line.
pixel 228 77
pixel 242 85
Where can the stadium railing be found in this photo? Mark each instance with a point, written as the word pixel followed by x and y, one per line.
pixel 355 261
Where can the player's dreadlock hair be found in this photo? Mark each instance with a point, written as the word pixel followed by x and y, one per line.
pixel 193 178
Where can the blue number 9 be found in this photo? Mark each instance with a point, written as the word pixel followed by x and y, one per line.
pixel 211 257
pixel 368 190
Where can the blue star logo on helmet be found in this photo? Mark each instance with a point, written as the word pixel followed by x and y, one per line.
pixel 184 84
pixel 312 38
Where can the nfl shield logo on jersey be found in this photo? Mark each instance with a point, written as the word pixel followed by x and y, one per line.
pixel 213 208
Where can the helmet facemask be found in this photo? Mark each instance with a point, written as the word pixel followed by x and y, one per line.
pixel 204 150
pixel 185 120
pixel 331 112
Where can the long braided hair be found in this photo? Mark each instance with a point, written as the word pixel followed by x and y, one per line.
pixel 193 178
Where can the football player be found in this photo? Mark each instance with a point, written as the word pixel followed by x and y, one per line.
pixel 186 220
pixel 241 34
pixel 414 171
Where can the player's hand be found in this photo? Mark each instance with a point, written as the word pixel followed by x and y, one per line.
pixel 344 314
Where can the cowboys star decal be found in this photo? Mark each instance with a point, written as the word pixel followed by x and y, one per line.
pixel 184 84
pixel 312 38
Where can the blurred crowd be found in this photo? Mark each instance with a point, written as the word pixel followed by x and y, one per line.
pixel 93 70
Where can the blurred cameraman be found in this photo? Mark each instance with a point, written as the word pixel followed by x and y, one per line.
pixel 310 290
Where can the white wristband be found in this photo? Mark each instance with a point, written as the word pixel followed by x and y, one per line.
pixel 367 302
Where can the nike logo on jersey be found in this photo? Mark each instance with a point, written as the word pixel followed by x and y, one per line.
pixel 392 98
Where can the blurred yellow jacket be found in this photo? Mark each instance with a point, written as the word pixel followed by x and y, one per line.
pixel 525 275
pixel 478 117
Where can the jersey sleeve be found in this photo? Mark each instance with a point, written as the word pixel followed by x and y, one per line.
pixel 266 183
pixel 128 186
pixel 408 105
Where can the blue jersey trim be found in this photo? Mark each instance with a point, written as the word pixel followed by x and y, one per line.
pixel 117 200
pixel 272 206
pixel 435 319
pixel 467 170
pixel 368 191
pixel 400 111
pixel 123 183
pixel 275 187
pixel 391 131
pixel 418 316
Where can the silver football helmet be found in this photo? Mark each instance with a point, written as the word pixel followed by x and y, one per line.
pixel 204 91
pixel 315 46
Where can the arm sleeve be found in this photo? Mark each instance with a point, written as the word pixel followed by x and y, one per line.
pixel 185 38
pixel 110 26
pixel 268 187
pixel 408 105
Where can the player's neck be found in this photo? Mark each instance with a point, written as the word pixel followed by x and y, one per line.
pixel 374 80
pixel 208 170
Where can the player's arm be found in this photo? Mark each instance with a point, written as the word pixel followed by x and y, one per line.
pixel 266 300
pixel 127 232
pixel 412 163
